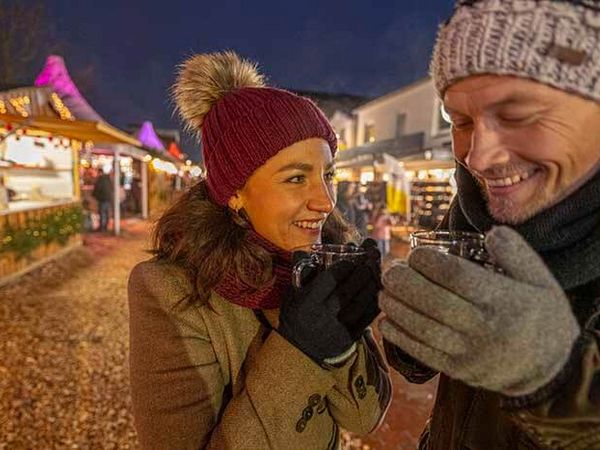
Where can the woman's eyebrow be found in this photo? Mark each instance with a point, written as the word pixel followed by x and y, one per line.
pixel 302 166
pixel 296 166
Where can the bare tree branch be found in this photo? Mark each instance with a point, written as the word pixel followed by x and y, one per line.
pixel 25 38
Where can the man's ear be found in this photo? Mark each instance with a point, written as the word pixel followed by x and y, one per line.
pixel 235 202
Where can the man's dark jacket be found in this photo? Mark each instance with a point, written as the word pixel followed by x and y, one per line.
pixel 565 414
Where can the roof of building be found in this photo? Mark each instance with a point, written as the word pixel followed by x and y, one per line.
pixel 393 94
pixel 148 136
pixel 332 102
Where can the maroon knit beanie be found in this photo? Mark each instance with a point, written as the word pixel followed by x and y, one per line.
pixel 241 122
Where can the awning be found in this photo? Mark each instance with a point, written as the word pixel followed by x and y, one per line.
pixel 98 132
pixel 401 147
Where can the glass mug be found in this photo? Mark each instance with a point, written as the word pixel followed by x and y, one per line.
pixel 323 256
pixel 466 244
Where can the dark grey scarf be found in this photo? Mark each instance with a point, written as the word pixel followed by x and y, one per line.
pixel 567 235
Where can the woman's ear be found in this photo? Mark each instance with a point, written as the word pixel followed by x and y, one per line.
pixel 235 202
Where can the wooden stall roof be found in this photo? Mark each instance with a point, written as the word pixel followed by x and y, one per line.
pixel 98 132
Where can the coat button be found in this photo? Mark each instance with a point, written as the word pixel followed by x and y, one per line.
pixel 307 413
pixel 301 425
pixel 322 406
pixel 359 382
pixel 314 400
pixel 362 393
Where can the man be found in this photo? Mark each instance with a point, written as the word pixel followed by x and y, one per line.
pixel 518 349
pixel 103 193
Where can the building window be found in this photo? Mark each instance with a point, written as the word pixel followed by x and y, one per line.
pixel 342 144
pixel 369 133
pixel 400 124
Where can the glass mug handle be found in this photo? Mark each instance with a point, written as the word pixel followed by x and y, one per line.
pixel 299 268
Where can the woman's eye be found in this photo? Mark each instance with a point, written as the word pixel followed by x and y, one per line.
pixel 296 179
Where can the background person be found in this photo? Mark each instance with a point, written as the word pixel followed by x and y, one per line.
pixel 103 193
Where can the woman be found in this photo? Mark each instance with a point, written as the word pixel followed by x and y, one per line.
pixel 224 355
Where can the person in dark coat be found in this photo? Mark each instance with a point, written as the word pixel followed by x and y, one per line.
pixel 518 348
pixel 103 193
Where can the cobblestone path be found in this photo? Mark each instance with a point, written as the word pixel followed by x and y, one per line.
pixel 63 350
pixel 63 357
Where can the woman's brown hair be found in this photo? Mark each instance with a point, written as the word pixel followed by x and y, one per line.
pixel 208 240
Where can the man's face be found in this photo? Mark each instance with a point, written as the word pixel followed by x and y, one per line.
pixel 288 198
pixel 528 145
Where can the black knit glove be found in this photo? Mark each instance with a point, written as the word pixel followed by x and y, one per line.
pixel 361 307
pixel 331 310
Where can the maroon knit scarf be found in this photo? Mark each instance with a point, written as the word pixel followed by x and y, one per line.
pixel 269 296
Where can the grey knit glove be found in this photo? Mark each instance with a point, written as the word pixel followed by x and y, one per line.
pixel 510 333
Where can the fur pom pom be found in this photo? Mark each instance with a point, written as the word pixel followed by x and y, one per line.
pixel 206 78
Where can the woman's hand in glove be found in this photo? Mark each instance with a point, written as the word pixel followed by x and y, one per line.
pixel 332 308
pixel 511 333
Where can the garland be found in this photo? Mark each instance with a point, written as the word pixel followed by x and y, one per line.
pixel 57 227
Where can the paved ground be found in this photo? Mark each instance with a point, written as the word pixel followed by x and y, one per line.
pixel 63 357
pixel 63 341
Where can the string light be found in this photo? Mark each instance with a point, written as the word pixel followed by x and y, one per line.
pixel 2 107
pixel 164 166
pixel 56 226
pixel 60 107
pixel 20 105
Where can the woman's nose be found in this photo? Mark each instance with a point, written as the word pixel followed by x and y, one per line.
pixel 321 198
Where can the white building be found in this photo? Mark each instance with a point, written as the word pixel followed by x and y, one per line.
pixel 406 124
pixel 400 138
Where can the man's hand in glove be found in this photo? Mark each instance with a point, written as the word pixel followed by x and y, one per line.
pixel 329 313
pixel 510 333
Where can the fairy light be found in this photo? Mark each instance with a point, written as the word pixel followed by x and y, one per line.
pixel 60 107
pixel 20 105
pixel 2 107
pixel 164 166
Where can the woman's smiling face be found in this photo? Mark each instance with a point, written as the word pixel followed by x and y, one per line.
pixel 288 198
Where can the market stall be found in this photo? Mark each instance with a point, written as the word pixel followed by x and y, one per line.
pixel 41 215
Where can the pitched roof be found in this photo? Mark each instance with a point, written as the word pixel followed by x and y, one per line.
pixel 148 136
pixel 331 102
pixel 55 75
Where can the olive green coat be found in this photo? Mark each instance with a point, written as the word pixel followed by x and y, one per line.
pixel 211 376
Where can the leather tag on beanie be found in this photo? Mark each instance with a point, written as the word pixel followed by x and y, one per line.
pixel 567 55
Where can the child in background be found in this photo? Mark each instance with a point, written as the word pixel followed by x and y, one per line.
pixel 382 228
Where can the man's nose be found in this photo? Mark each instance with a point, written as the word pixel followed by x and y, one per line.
pixel 486 148
pixel 321 198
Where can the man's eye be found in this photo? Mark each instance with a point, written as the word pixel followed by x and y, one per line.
pixel 515 119
pixel 461 125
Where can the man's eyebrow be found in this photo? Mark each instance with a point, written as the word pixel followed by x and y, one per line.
pixel 301 166
pixel 516 98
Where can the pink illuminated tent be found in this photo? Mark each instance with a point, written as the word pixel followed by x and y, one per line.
pixel 148 137
pixel 55 75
